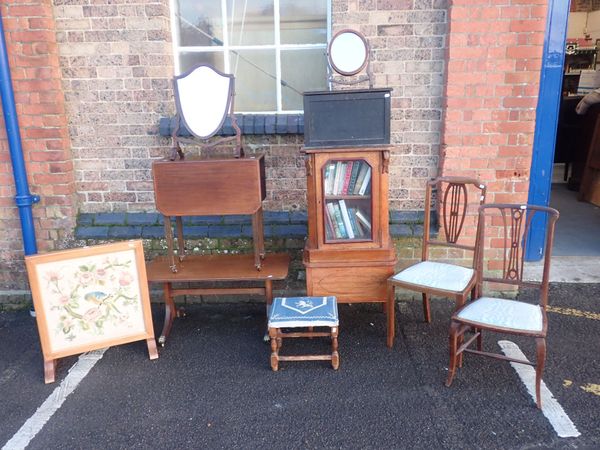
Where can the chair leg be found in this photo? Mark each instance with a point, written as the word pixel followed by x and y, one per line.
pixel 391 314
pixel 453 345
pixel 479 339
pixel 426 308
pixel 539 368
pixel 460 301
pixel 459 342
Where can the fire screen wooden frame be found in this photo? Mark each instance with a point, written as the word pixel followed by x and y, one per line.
pixel 90 298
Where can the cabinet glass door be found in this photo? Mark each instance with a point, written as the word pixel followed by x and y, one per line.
pixel 347 200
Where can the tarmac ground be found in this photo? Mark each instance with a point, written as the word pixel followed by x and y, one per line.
pixel 212 386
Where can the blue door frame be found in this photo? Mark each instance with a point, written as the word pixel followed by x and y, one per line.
pixel 546 121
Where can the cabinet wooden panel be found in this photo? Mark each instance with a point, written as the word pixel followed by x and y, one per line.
pixel 349 252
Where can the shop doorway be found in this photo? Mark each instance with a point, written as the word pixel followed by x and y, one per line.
pixel 561 139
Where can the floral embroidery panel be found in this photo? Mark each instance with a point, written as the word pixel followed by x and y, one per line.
pixel 88 298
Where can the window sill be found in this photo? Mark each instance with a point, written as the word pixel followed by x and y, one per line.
pixel 249 123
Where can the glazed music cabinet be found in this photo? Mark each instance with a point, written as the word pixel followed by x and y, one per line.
pixel 349 252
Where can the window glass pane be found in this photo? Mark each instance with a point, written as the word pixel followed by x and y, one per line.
pixel 200 22
pixel 250 22
pixel 188 60
pixel 302 70
pixel 303 22
pixel 255 86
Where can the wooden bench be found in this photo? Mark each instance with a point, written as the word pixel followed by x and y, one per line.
pixel 215 268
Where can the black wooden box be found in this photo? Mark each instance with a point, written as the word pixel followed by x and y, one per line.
pixel 352 118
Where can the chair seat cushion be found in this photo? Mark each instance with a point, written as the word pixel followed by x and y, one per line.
pixel 437 275
pixel 502 313
pixel 290 312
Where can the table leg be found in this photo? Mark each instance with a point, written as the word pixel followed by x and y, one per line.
pixel 180 241
pixel 261 236
pixel 390 314
pixel 268 302
pixel 269 291
pixel 257 232
pixel 170 313
pixel 169 239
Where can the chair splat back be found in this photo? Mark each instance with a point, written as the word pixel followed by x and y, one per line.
pixel 513 223
pixel 452 195
pixel 454 211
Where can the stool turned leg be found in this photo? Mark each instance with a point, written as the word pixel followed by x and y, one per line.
pixel 274 349
pixel 335 356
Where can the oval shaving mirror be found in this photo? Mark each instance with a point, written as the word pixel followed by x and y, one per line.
pixel 348 52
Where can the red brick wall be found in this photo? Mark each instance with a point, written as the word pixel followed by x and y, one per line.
pixel 494 61
pixel 34 62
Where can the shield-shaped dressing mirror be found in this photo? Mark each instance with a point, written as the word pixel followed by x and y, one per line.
pixel 348 52
pixel 203 97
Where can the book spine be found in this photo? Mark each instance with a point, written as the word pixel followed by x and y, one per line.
pixel 366 183
pixel 355 169
pixel 347 176
pixel 340 221
pixel 336 179
pixel 354 222
pixel 363 219
pixel 331 214
pixel 361 177
pixel 346 219
pixel 329 229
pixel 328 183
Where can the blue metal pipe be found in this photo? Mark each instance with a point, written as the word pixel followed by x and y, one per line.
pixel 23 199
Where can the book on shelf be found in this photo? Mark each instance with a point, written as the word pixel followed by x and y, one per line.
pixel 364 221
pixel 339 168
pixel 364 188
pixel 330 213
pixel 363 232
pixel 346 219
pixel 355 169
pixel 337 221
pixel 329 229
pixel 347 176
pixel 340 221
pixel 329 175
pixel 358 232
pixel 361 176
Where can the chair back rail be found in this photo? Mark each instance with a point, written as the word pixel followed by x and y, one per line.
pixel 452 205
pixel 513 222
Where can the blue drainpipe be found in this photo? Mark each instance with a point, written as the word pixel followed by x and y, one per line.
pixel 23 199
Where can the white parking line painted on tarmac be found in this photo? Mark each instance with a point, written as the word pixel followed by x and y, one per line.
pixel 35 423
pixel 555 414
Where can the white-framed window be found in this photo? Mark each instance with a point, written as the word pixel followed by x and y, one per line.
pixel 275 48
